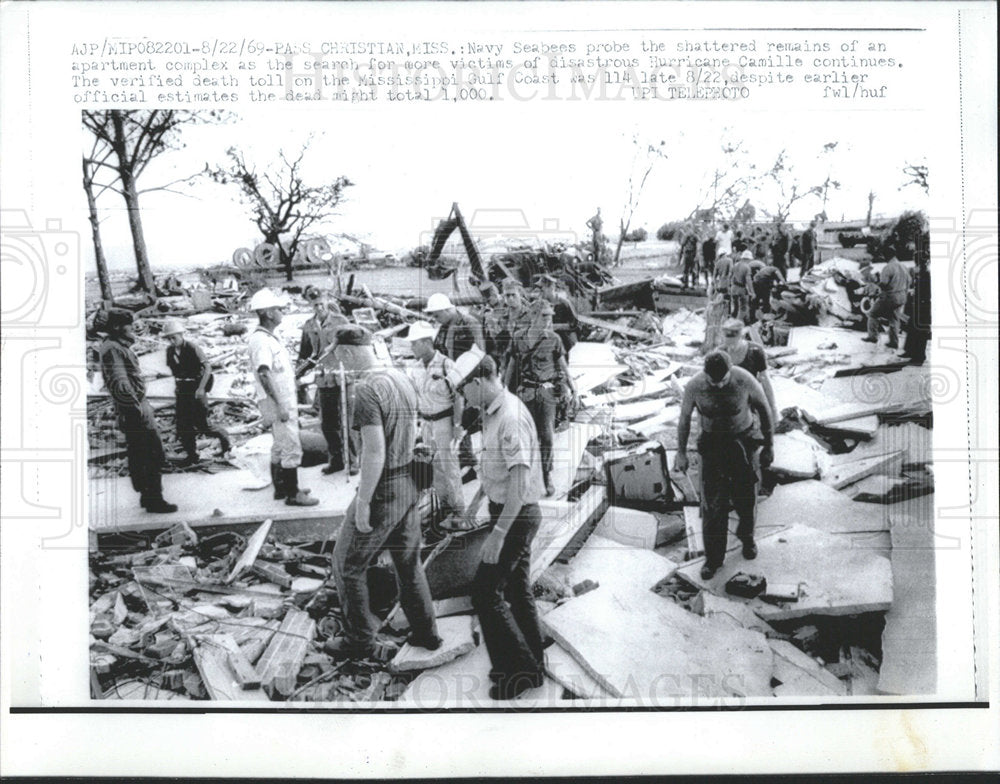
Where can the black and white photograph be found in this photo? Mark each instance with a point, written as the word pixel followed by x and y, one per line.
pixel 449 389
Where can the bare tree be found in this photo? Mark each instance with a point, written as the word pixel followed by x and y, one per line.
pixel 916 174
pixel 136 138
pixel 829 184
pixel 731 181
pixel 97 156
pixel 645 158
pixel 787 190
pixel 871 204
pixel 279 199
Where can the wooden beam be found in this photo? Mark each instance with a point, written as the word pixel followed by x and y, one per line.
pixel 280 663
pixel 848 473
pixel 211 657
pixel 254 543
pixel 555 533
pixel 612 327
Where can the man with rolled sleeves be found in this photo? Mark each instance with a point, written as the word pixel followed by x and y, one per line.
pixel 319 336
pixel 893 286
pixel 511 478
pixel 539 372
pixel 383 514
pixel 123 379
pixel 726 398
pixel 274 375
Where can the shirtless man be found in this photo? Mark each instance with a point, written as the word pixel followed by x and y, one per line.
pixel 726 398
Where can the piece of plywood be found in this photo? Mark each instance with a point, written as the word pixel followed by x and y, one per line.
pixel 249 555
pixel 659 421
pixel 909 639
pixel 557 529
pixel 456 634
pixel 817 504
pixel 640 410
pixel 848 473
pixel 794 456
pixel 570 674
pixel 610 563
pixel 838 576
pixel 644 387
pixel 862 427
pixel 801 675
pixel 281 661
pixel 637 644
pixel 631 527
pixel 568 447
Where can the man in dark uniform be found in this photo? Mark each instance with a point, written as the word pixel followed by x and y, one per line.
pixel 726 398
pixel 193 379
pixel 918 331
pixel 516 318
pixel 779 249
pixel 319 336
pixel 383 514
pixel 689 258
pixel 491 316
pixel 123 379
pixel 538 372
pixel 807 247
pixel 708 258
pixel 564 321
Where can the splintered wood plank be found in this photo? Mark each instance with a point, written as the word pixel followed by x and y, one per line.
pixel 557 530
pixel 458 640
pixel 863 427
pixel 211 657
pixel 281 661
pixel 249 555
pixel 638 645
pixel 848 473
pixel 693 531
pixel 838 576
pixel 801 675
pixel 612 327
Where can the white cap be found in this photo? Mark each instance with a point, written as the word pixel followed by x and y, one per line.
pixel 437 302
pixel 421 329
pixel 464 365
pixel 264 299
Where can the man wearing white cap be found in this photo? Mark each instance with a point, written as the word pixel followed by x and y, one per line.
pixel 459 332
pixel 440 413
pixel 274 374
pixel 193 379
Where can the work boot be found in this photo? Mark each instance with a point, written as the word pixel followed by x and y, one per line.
pixel 158 506
pixel 277 479
pixel 339 648
pixel 430 643
pixel 293 495
pixel 708 572
pixel 512 687
pixel 749 549
pixel 332 468
pixel 869 340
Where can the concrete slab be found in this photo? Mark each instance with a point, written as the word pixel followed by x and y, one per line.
pixel 571 675
pixel 610 563
pixel 458 641
pixel 631 527
pixel 837 576
pixel 818 505
pixel 795 455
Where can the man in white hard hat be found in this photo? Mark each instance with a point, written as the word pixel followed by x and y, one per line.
pixel 459 331
pixel 193 380
pixel 274 374
pixel 441 411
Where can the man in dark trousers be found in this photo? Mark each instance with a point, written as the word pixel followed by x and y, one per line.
pixel 780 246
pixel 383 514
pixel 689 258
pixel 918 331
pixel 893 285
pixel 807 247
pixel 511 478
pixel 539 373
pixel 319 336
pixel 123 379
pixel 193 379
pixel 564 320
pixel 726 398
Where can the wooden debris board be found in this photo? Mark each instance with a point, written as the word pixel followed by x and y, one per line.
pixel 693 530
pixel 863 427
pixel 211 656
pixel 801 675
pixel 660 421
pixel 612 327
pixel 643 409
pixel 249 555
pixel 281 661
pixel 458 641
pixel 849 473
pixel 909 640
pixel 630 527
pixel 465 683
pixel 556 531
pixel 443 608
pixel 794 456
pixel 878 489
pixel 643 388
pixel 571 675
pixel 627 639
pixel 609 563
pixel 816 504
pixel 907 388
pixel 567 451
pixel 837 577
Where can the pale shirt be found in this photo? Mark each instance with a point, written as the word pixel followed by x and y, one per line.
pixel 723 242
pixel 509 439
pixel 267 351
pixel 434 394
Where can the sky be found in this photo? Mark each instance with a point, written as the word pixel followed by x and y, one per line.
pixel 555 163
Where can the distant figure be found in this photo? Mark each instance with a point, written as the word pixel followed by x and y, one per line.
pixel 807 247
pixel 724 241
pixel 193 379
pixel 689 259
pixel 564 321
pixel 708 254
pixel 893 284
pixel 764 281
pixel 123 378
pixel 741 287
pixel 780 246
pixel 918 331
pixel 722 280
pixel 596 226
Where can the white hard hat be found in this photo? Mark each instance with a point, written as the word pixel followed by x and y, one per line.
pixel 172 326
pixel 437 302
pixel 264 299
pixel 421 329
pixel 464 365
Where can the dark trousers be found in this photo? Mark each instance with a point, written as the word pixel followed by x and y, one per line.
pixel 915 346
pixel 191 416
pixel 690 274
pixel 541 403
pixel 728 476
pixel 762 292
pixel 331 423
pixel 144 448
pixel 501 596
pixel 395 525
pixel 890 308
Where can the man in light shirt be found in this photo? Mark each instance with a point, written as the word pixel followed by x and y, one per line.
pixel 724 241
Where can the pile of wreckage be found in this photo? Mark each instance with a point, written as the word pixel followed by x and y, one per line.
pixel 226 607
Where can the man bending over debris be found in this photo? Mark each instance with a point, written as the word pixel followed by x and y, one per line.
pixel 277 399
pixel 893 283
pixel 123 378
pixel 383 514
pixel 193 379
pixel 726 397
pixel 511 476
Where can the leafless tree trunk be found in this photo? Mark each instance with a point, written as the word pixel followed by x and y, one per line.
pixel 102 264
pixel 871 203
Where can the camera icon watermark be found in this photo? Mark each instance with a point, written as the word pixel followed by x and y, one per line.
pixel 41 270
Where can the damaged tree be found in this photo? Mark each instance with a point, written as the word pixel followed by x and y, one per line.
pixel 642 166
pixel 280 201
